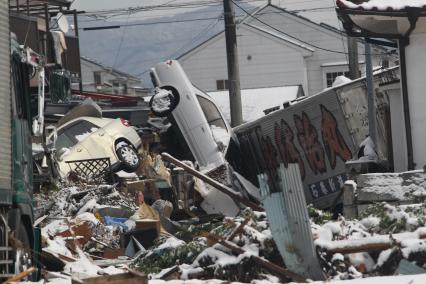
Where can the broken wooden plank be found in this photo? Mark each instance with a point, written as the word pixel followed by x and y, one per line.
pixel 272 267
pixel 224 189
pixel 20 276
pixel 374 243
pixel 238 230
pixel 128 278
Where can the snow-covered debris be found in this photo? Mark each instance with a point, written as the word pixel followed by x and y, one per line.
pixel 161 101
pixel 196 258
pixel 383 5
pixel 409 186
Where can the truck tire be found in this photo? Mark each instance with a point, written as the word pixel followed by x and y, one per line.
pixel 128 157
pixel 22 251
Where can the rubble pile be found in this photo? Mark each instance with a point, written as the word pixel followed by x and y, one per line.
pixel 161 223
pixel 375 245
pixel 198 257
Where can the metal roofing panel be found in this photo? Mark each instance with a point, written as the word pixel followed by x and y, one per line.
pixel 289 221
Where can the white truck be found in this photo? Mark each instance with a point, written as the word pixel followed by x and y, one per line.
pixel 320 133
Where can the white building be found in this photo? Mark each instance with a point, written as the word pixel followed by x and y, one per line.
pixel 276 48
pixel 99 78
pixel 405 22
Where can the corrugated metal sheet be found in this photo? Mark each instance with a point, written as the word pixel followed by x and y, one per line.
pixel 5 104
pixel 289 221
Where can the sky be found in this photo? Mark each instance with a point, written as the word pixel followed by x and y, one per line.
pixel 90 5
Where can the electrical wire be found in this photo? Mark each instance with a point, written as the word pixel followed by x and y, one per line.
pixel 120 44
pixel 290 36
pixel 147 24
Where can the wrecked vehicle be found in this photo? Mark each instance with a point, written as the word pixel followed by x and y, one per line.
pixel 199 131
pixel 93 138
pixel 319 133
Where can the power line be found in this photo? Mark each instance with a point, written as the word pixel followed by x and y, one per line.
pixel 293 37
pixel 146 24
pixel 121 43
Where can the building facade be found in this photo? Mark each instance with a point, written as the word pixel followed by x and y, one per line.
pixel 102 79
pixel 276 47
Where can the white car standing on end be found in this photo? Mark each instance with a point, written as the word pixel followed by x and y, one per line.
pixel 198 118
pixel 94 138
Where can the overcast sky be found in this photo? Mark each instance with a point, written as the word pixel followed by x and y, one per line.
pixel 90 5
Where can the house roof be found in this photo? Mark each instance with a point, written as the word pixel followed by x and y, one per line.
pixel 293 14
pixel 110 69
pixel 383 5
pixel 255 101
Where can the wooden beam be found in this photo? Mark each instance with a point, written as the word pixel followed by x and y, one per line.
pixel 272 267
pixel 20 276
pixel 224 189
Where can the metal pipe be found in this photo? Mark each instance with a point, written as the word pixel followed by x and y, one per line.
pixel 372 125
pixel 404 91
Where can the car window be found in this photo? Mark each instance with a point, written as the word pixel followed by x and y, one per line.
pixel 211 112
pixel 80 130
pixel 64 141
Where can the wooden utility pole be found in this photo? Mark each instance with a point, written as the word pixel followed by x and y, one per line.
pixel 233 68
pixel 353 58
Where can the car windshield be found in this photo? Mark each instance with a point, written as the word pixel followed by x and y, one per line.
pixel 74 133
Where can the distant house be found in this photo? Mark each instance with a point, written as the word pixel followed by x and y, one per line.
pixel 102 79
pixel 288 50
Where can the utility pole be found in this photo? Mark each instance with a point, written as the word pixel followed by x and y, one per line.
pixel 353 58
pixel 372 128
pixel 233 68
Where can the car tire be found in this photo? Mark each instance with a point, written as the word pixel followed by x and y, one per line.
pixel 173 97
pixel 128 157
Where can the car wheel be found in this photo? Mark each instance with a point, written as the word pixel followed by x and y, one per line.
pixel 128 157
pixel 164 101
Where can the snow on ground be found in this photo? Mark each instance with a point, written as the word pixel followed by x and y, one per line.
pixel 409 279
pixel 255 101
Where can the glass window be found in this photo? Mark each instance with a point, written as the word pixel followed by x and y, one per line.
pixel 211 112
pixel 331 77
pixel 222 85
pixel 80 130
pixel 98 78
pixel 64 141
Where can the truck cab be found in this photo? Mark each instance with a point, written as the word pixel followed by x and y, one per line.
pixel 18 238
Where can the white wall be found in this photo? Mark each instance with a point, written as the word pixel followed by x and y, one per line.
pixel 272 63
pixel 416 70
pixel 320 11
